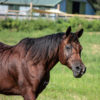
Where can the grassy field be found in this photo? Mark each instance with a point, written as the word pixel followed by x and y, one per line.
pixel 63 86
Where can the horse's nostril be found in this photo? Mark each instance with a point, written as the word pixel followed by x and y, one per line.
pixel 78 68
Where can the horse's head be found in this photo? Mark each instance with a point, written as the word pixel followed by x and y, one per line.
pixel 70 52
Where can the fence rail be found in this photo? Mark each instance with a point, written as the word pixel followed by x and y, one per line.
pixel 30 14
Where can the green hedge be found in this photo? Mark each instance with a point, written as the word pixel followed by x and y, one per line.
pixel 58 25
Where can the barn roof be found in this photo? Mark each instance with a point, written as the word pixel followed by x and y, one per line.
pixel 34 2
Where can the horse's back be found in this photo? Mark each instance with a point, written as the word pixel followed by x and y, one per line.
pixel 4 47
pixel 8 69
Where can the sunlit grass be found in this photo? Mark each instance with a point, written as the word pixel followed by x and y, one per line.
pixel 63 86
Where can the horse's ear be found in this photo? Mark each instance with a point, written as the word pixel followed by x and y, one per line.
pixel 68 31
pixel 79 33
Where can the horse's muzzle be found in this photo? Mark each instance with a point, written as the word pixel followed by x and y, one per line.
pixel 78 71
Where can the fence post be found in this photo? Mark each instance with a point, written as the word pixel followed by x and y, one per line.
pixel 31 10
pixel 6 15
pixel 58 8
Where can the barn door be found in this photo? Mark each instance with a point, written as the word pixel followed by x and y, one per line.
pixel 69 6
pixel 82 8
pixel 75 7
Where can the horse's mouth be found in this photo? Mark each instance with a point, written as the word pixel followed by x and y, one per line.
pixel 78 74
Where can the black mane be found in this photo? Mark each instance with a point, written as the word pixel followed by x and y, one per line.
pixel 42 48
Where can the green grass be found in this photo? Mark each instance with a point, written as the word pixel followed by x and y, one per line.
pixel 63 86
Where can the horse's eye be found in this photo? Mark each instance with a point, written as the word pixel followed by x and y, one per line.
pixel 68 47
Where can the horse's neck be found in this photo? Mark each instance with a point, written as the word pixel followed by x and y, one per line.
pixel 52 62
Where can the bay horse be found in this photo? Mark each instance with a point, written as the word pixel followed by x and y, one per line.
pixel 25 67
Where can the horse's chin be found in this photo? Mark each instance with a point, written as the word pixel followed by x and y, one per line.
pixel 77 75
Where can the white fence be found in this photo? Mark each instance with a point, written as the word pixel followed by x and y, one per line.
pixel 34 13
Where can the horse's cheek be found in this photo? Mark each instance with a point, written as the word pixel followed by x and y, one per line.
pixel 62 56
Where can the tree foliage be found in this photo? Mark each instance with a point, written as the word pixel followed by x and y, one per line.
pixel 95 4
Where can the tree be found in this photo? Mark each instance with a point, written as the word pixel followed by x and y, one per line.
pixel 96 5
